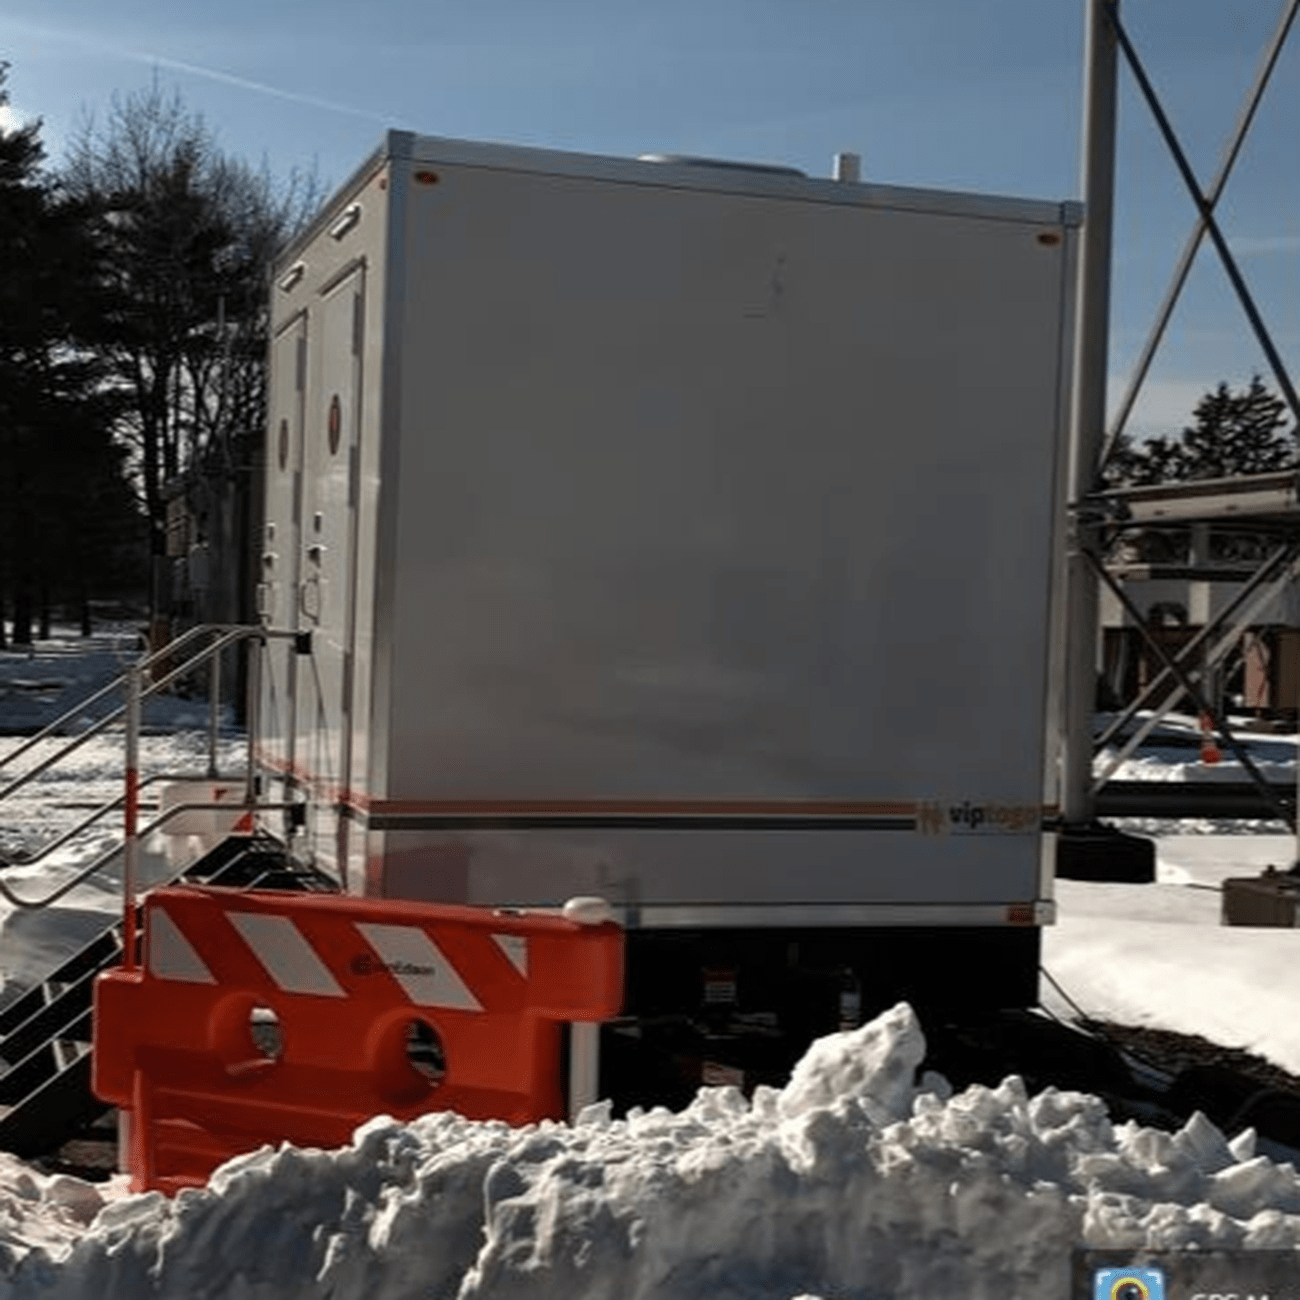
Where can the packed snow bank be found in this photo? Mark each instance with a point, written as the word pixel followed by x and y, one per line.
pixel 852 1182
pixel 1235 985
pixel 44 1212
pixel 1157 955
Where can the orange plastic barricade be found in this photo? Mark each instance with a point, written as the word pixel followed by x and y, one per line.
pixel 339 981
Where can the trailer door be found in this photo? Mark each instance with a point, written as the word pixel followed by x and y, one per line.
pixel 278 584
pixel 328 541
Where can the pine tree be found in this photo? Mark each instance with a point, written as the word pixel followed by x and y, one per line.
pixel 63 508
pixel 1233 434
pixel 1236 434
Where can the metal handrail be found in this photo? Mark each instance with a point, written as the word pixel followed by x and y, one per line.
pixel 113 805
pixel 107 721
pixel 106 858
pixel 136 692
pixel 231 634
pixel 116 684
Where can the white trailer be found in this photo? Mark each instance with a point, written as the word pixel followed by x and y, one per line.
pixel 685 534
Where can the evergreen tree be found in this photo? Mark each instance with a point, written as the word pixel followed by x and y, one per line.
pixel 1237 433
pixel 1158 460
pixel 1234 433
pixel 64 512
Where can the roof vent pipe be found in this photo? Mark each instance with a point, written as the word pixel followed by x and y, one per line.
pixel 848 167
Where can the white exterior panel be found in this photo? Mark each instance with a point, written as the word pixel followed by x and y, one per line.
pixel 707 533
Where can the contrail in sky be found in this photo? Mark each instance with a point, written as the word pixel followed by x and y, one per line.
pixel 90 41
pixel 229 79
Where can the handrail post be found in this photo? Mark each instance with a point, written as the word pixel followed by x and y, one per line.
pixel 214 712
pixel 131 811
pixel 254 649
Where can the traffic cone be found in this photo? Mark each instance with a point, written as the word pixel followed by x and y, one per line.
pixel 1210 751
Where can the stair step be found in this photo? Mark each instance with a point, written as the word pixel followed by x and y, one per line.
pixel 46 1034
pixel 68 1051
pixel 55 1101
pixel 101 951
pixel 50 1019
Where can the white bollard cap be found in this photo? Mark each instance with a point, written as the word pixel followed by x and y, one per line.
pixel 588 911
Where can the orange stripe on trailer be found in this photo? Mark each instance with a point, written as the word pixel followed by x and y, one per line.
pixel 831 809
pixel 332 793
pixel 638 807
pixel 349 799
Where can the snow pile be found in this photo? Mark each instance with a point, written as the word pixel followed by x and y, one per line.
pixel 852 1181
pixel 46 1213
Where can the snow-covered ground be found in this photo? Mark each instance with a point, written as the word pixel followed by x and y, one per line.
pixel 1157 954
pixel 38 687
pixel 854 1181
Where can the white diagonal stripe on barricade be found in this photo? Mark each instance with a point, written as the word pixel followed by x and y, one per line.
pixel 171 955
pixel 287 957
pixel 418 965
pixel 515 946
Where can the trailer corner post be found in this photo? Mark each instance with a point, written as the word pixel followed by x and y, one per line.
pixel 130 813
pixel 1088 431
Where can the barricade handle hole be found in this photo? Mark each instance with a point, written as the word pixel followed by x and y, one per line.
pixel 264 1029
pixel 424 1051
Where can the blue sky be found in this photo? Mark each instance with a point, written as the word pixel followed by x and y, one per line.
pixel 963 94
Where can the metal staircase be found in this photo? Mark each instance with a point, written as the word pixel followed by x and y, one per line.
pixel 46 1033
pixel 45 1041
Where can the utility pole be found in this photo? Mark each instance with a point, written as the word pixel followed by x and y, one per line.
pixel 1088 432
